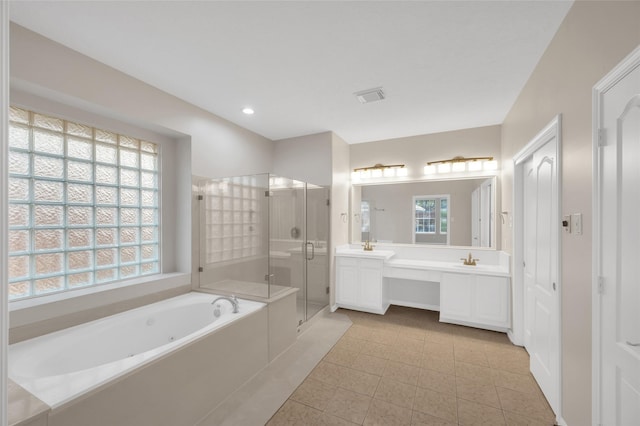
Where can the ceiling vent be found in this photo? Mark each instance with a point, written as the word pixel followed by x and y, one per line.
pixel 370 95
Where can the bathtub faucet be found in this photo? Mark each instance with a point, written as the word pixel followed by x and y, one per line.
pixel 233 300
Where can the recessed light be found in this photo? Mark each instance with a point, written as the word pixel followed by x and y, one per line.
pixel 248 111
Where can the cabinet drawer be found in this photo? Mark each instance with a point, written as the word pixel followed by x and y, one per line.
pixel 347 261
pixel 371 264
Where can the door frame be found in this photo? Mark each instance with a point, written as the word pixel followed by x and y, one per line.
pixel 516 333
pixel 621 70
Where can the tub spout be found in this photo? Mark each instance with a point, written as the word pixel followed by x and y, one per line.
pixel 233 300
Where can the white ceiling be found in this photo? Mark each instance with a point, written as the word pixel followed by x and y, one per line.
pixel 444 65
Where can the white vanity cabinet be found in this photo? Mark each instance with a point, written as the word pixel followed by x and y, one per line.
pixel 476 300
pixel 359 284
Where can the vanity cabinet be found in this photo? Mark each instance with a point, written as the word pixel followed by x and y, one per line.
pixel 476 300
pixel 360 285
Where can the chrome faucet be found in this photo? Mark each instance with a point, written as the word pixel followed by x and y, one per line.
pixel 470 261
pixel 233 300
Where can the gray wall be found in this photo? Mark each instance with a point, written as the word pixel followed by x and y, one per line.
pixel 594 37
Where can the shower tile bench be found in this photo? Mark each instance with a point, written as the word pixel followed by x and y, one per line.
pixel 427 278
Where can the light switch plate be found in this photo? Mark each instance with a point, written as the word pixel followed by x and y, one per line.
pixel 576 223
pixel 566 219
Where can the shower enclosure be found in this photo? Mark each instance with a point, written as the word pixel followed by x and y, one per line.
pixel 260 235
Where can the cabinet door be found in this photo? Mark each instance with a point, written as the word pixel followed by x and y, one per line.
pixel 371 283
pixel 456 295
pixel 491 300
pixel 347 282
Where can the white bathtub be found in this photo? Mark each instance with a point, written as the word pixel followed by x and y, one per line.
pixel 61 366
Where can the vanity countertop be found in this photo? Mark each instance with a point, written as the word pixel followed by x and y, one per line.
pixel 373 254
pixel 456 267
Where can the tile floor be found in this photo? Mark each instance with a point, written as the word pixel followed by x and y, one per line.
pixel 406 368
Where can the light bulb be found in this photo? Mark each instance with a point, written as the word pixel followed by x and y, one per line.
pixel 429 169
pixel 444 168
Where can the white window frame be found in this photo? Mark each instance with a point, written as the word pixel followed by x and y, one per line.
pixel 436 217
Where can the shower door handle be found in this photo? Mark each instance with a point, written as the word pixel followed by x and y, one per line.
pixel 313 250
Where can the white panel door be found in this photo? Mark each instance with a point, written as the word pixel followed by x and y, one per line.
pixel 619 262
pixel 541 269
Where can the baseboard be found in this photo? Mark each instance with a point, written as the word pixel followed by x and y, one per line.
pixel 516 341
pixel 415 305
pixel 560 421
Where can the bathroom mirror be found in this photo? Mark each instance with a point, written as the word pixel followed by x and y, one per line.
pixel 460 212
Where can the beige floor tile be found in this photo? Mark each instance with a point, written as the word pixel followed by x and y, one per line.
pixel 397 393
pixel 422 419
pixel 513 361
pixel 351 406
pixel 471 356
pixel 409 343
pixel 328 373
pixel 294 413
pixel 469 343
pixel 430 379
pixel 473 414
pixel 479 392
pixel 514 419
pixel 357 331
pixel 386 337
pixel 376 349
pixel 382 413
pixel 406 356
pixel 314 393
pixel 437 363
pixel 500 344
pixel 519 382
pixel 437 404
pixel 474 372
pixel 369 364
pixel 413 332
pixel 408 368
pixel 341 356
pixel 349 344
pixel 442 349
pixel 438 336
pixel 359 381
pixel 330 420
pixel 525 404
pixel 401 372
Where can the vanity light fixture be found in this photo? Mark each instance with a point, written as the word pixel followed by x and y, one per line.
pixel 379 171
pixel 460 165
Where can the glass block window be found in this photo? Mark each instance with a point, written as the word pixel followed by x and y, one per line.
pixel 83 205
pixel 232 209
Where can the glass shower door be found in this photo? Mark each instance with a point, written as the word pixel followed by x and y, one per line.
pixel 287 238
pixel 316 259
pixel 298 234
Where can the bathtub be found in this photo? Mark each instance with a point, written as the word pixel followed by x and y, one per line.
pixel 63 366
